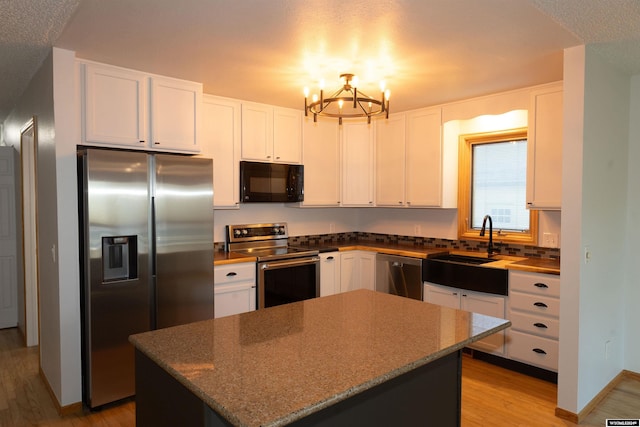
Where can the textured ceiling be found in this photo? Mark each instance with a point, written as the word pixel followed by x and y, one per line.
pixel 28 29
pixel 429 51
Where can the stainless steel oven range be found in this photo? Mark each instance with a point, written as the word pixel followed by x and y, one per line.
pixel 285 274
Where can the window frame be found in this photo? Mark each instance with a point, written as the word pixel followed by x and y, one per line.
pixel 465 149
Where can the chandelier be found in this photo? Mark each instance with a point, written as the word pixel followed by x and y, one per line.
pixel 348 102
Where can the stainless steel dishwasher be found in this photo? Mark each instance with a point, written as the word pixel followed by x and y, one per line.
pixel 399 275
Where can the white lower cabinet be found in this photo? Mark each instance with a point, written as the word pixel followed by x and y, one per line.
pixel 534 311
pixel 357 270
pixel 234 289
pixel 476 302
pixel 329 273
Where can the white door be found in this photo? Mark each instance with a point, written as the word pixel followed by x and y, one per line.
pixel 8 241
pixel 28 144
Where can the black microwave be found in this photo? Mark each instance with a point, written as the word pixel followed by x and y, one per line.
pixel 271 182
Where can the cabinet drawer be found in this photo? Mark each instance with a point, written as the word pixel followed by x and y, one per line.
pixel 539 325
pixel 233 273
pixel 537 351
pixel 534 304
pixel 540 284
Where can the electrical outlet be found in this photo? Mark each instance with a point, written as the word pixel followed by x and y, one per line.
pixel 550 240
pixel 587 254
pixel 607 349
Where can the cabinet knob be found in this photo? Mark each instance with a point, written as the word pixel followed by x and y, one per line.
pixel 141 141
pixel 540 304
pixel 329 258
pixel 231 274
pixel 539 350
pixel 540 285
pixel 540 325
pixel 156 143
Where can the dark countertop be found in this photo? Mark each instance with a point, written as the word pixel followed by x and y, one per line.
pixel 274 366
pixel 535 265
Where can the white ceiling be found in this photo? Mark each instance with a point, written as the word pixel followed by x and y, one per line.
pixel 428 51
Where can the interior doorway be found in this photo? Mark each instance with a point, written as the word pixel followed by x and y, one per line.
pixel 28 319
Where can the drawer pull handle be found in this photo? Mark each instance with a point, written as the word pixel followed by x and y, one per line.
pixel 540 304
pixel 539 351
pixel 540 325
pixel 540 285
pixel 329 258
pixel 231 274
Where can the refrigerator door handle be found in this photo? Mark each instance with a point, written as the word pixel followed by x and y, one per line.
pixel 152 261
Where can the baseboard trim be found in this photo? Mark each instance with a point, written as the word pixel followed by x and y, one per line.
pixel 579 417
pixel 63 411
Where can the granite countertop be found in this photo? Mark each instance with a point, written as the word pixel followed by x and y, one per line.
pixel 273 366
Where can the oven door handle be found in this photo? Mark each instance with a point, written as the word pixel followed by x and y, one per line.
pixel 289 263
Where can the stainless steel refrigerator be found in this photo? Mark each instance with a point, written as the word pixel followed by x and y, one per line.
pixel 146 256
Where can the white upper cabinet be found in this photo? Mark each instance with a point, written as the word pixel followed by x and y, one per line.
pixel 358 164
pixel 221 138
pixel 175 114
pixel 321 159
pixel 544 149
pixel 271 134
pixel 287 135
pixel 137 110
pixel 390 161
pixel 424 159
pixel 115 106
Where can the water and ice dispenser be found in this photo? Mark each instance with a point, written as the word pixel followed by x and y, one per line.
pixel 119 258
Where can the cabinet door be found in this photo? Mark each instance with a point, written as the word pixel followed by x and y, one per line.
pixel 321 154
pixel 257 132
pixel 424 158
pixel 175 114
pixel 221 138
pixel 349 271
pixel 329 273
pixel 490 305
pixel 544 149
pixel 442 295
pixel 234 299
pixel 287 135
pixel 357 164
pixel 114 106
pixel 367 262
pixel 390 161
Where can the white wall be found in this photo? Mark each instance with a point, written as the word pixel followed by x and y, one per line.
pixel 301 221
pixel 632 291
pixel 38 100
pixel 594 218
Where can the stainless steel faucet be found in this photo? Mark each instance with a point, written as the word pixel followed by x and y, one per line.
pixel 484 223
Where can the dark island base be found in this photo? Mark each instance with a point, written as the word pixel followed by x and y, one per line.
pixel 428 395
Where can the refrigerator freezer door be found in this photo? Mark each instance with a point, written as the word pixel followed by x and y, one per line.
pixel 183 206
pixel 116 300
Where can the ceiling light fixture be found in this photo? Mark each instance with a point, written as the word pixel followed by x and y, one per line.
pixel 348 102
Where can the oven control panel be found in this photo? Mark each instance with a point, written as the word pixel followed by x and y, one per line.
pixel 252 232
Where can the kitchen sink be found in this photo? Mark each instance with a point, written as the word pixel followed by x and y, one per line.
pixel 463 259
pixel 465 272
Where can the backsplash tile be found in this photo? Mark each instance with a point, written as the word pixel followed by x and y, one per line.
pixel 465 245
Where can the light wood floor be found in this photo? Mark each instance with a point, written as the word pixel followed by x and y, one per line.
pixel 491 396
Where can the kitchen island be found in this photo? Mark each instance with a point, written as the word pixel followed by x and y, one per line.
pixel 356 358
